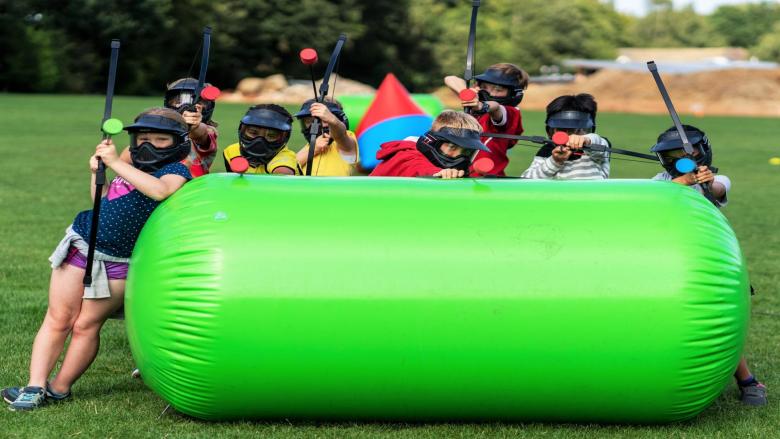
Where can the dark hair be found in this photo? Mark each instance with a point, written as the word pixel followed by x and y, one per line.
pixel 581 102
pixel 273 107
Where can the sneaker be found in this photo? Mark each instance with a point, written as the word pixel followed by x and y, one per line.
pixel 30 398
pixel 54 396
pixel 11 393
pixel 136 373
pixel 753 394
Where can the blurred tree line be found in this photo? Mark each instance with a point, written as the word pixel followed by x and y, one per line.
pixel 62 46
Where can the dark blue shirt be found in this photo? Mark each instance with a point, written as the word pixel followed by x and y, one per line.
pixel 123 213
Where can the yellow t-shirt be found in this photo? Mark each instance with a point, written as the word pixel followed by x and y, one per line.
pixel 285 157
pixel 331 163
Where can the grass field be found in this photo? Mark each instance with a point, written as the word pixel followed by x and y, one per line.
pixel 45 142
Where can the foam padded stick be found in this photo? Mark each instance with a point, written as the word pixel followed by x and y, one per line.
pixel 467 94
pixel 560 138
pixel 112 126
pixel 210 93
pixel 239 164
pixel 308 56
pixel 483 166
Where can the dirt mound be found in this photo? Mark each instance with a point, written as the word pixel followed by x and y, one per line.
pixel 723 92
pixel 275 89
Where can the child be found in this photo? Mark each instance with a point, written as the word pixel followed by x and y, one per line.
pixel 576 115
pixel 262 138
pixel 158 144
pixel 180 97
pixel 500 89
pixel 336 149
pixel 669 149
pixel 445 151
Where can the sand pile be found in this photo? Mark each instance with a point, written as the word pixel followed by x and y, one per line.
pixel 723 92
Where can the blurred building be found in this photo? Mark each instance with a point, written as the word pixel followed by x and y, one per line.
pixel 673 60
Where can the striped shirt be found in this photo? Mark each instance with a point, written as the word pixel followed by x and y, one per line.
pixel 593 165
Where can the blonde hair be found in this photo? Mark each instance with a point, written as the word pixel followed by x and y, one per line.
pixel 455 119
pixel 512 70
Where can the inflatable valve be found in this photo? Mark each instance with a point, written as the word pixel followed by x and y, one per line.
pixel 239 164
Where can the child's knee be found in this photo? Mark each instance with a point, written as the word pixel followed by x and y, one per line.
pixel 60 320
pixel 86 327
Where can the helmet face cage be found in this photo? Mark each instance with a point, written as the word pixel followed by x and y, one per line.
pixel 182 97
pixel 669 148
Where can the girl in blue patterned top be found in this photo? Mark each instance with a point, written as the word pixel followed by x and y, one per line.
pixel 159 142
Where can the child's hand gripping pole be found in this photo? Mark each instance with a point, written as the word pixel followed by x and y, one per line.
pixel 687 162
pixel 109 127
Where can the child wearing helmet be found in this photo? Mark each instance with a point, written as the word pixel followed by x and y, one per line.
pixel 499 91
pixel 446 151
pixel 159 143
pixel 575 115
pixel 197 112
pixel 180 97
pixel 669 149
pixel 336 148
pixel 262 140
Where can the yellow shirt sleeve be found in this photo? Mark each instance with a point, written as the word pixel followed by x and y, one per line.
pixel 285 157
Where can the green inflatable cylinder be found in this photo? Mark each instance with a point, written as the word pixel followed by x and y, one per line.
pixel 264 297
pixel 355 106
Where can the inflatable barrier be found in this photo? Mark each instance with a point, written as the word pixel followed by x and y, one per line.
pixel 260 297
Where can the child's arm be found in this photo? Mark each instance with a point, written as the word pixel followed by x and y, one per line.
pixel 151 186
pixel 93 165
pixel 547 167
pixel 455 83
pixel 199 131
pixel 338 131
pixel 450 173
pixel 702 176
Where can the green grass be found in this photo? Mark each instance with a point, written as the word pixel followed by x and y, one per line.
pixel 45 142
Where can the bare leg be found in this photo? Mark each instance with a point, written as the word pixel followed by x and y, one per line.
pixel 85 341
pixel 742 372
pixel 65 291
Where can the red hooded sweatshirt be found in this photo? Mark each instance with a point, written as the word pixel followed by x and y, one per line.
pixel 400 158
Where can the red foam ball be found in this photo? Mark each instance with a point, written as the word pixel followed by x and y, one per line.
pixel 308 56
pixel 239 164
pixel 467 94
pixel 483 165
pixel 560 138
pixel 210 93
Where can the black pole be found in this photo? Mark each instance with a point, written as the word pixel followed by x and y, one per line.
pixel 204 61
pixel 471 49
pixel 100 174
pixel 545 141
pixel 315 125
pixel 687 147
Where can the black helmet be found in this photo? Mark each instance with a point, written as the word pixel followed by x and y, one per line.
pixel 497 77
pixel 571 119
pixel 260 150
pixel 181 96
pixel 146 156
pixel 669 148
pixel 430 143
pixel 333 107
